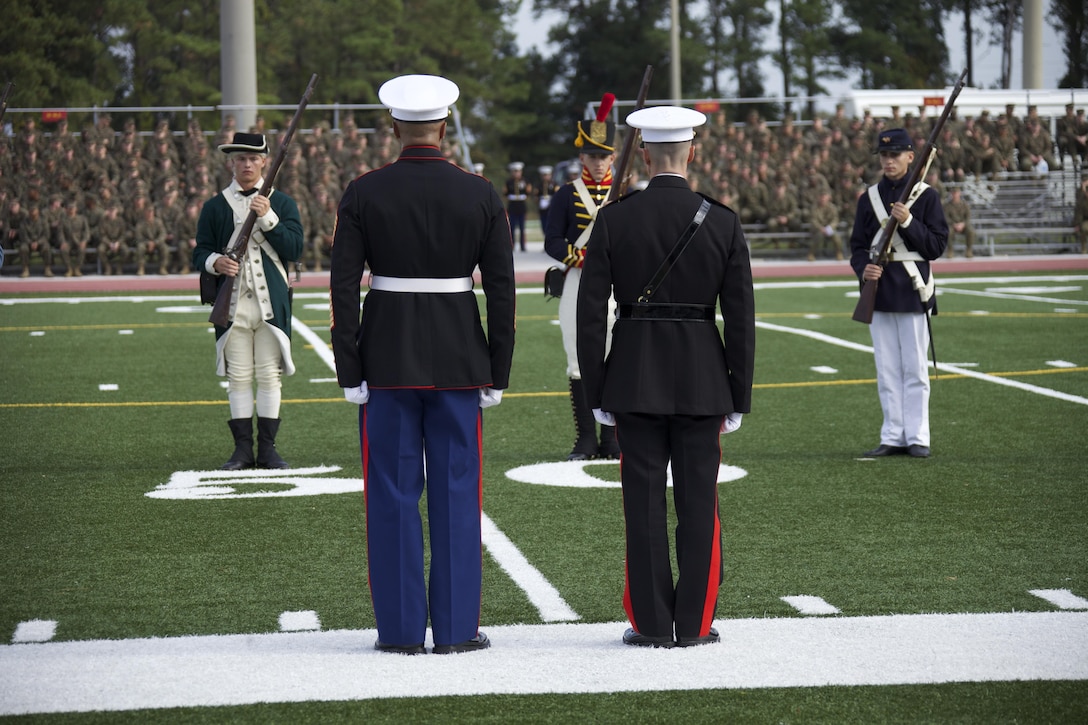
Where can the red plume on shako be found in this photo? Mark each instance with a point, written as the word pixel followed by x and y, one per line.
pixel 597 135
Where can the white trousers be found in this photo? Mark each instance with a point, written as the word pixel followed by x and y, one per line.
pixel 252 351
pixel 900 343
pixel 568 321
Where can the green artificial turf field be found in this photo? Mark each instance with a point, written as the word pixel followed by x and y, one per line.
pixel 109 399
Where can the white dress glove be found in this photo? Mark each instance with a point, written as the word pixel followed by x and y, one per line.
pixel 731 422
pixel 358 395
pixel 604 418
pixel 490 397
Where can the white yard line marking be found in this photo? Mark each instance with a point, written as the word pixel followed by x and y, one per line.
pixel 305 621
pixel 114 675
pixel 944 367
pixel 545 597
pixel 1061 598
pixel 537 588
pixel 34 630
pixel 1003 296
pixel 806 604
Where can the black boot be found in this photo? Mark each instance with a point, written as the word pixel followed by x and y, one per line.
pixel 267 457
pixel 585 445
pixel 610 447
pixel 242 430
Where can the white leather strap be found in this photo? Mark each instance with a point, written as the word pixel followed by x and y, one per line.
pixel 440 285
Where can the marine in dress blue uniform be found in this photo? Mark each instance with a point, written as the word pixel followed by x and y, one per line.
pixel 904 295
pixel 671 382
pixel 419 364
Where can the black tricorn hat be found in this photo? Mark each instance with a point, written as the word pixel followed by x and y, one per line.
pixel 253 143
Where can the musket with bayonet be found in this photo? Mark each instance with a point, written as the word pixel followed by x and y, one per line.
pixel 882 249
pixel 220 315
pixel 623 162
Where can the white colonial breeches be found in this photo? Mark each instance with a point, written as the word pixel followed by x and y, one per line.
pixel 568 321
pixel 252 352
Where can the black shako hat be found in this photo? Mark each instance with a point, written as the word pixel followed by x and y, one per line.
pixel 894 139
pixel 253 143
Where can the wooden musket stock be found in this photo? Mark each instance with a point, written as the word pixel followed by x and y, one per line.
pixel 867 301
pixel 220 315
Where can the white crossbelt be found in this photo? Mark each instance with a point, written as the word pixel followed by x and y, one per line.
pixel 441 285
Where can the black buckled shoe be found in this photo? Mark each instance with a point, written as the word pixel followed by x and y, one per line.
pixel 401 649
pixel 884 450
pixel 635 639
pixel 479 642
pixel 918 451
pixel 711 638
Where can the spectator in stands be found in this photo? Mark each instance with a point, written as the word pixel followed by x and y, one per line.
pixel 113 237
pixel 322 227
pixel 823 224
pixel 185 235
pixel 75 234
pixel 958 214
pixel 1080 214
pixel 1036 147
pixel 1079 139
pixel 150 240
pixel 34 239
pixel 783 210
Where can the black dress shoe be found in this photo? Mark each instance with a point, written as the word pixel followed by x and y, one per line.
pixel 711 638
pixel 883 450
pixel 400 649
pixel 635 639
pixel 479 642
pixel 919 451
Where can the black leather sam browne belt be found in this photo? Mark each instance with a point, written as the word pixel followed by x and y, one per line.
pixel 666 311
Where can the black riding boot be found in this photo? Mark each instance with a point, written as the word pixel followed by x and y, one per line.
pixel 585 445
pixel 242 430
pixel 610 447
pixel 267 457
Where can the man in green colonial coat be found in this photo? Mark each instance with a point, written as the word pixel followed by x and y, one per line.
pixel 256 345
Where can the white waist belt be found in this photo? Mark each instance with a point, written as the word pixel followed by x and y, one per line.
pixel 420 284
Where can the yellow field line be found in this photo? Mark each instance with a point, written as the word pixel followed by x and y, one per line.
pixel 557 394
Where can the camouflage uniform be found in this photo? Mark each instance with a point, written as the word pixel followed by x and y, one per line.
pixel 824 221
pixel 75 234
pixel 150 234
pixel 113 237
pixel 34 238
pixel 956 212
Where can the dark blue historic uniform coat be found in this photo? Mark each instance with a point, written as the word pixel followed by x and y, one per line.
pixel 670 384
pixel 927 235
pixel 424 356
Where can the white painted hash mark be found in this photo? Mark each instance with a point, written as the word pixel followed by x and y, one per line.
pixel 300 621
pixel 806 604
pixel 823 369
pixel 1060 364
pixel 106 387
pixel 1061 598
pixel 34 630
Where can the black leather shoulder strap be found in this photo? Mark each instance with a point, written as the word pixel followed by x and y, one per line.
pixel 681 244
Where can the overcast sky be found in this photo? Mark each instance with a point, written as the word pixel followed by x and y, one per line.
pixel 987 70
